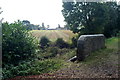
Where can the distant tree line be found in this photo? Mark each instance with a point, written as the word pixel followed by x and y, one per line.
pixel 92 17
pixel 30 26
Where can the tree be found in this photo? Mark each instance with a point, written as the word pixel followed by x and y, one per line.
pixel 48 26
pixel 26 22
pixel 59 26
pixel 110 27
pixel 90 17
pixel 1 39
pixel 118 19
pixel 61 43
pixel 43 26
pixel 0 11
pixel 66 26
pixel 29 26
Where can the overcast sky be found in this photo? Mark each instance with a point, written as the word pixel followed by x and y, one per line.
pixel 36 11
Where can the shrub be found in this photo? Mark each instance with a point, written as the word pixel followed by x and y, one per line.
pixel 48 53
pixel 118 34
pixel 44 42
pixel 74 42
pixel 61 43
pixel 17 45
pixel 53 51
pixel 31 68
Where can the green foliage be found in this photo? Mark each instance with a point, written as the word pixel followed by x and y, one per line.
pixel 74 41
pixel 61 43
pixel 109 54
pixel 18 44
pixel 118 20
pixel 47 53
pixel 44 42
pixel 31 68
pixel 118 34
pixel 67 54
pixel 113 43
pixel 91 18
pixel 110 27
pixel 29 26
pixel 53 50
pixel 98 56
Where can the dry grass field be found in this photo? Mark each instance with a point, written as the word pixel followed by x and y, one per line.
pixel 54 34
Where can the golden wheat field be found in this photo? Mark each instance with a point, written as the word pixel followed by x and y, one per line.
pixel 52 35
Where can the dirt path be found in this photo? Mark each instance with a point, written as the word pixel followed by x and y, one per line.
pixel 97 71
pixel 106 68
pixel 76 70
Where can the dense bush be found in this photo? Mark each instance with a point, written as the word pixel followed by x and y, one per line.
pixel 118 34
pixel 61 43
pixel 44 42
pixel 31 68
pixel 53 51
pixel 74 41
pixel 17 45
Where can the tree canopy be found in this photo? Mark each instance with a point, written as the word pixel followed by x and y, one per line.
pixel 91 17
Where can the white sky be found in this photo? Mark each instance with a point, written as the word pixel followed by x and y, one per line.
pixel 36 11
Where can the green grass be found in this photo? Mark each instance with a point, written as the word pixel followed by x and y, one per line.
pixel 45 66
pixel 102 55
pixel 53 35
pixel 112 43
pixel 66 56
pixel 97 57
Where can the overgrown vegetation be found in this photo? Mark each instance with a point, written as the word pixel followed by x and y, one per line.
pixel 22 55
pixel 53 57
pixel 74 41
pixel 61 43
pixel 44 42
pixel 18 44
pixel 31 68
